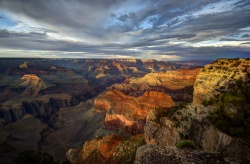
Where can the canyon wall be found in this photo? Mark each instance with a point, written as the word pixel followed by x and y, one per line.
pixel 177 83
pixel 44 107
pixel 128 112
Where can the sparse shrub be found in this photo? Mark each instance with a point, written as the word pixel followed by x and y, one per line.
pixel 169 112
pixel 211 67
pixel 236 64
pixel 232 110
pixel 210 101
pixel 186 144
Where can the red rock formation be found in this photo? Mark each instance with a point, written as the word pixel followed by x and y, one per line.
pixel 127 112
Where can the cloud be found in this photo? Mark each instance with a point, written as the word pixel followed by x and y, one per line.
pixel 245 36
pixel 125 17
pixel 127 27
pixel 41 42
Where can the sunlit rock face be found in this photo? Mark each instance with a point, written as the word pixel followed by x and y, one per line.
pixel 217 76
pixel 171 79
pixel 128 112
pixel 177 83
pixel 33 83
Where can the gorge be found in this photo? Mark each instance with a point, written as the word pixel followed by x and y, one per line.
pixel 124 110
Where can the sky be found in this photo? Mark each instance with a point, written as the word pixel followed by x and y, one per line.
pixel 145 29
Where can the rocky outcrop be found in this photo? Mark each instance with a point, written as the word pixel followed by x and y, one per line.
pixel 168 131
pixel 33 84
pixel 162 134
pixel 24 65
pixel 211 139
pixel 128 112
pixel 166 127
pixel 207 136
pixel 217 76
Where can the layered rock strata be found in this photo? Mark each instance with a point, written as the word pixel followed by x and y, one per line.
pixel 128 112
pixel 177 83
pixel 216 77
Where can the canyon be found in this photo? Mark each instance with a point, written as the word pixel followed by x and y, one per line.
pixel 120 110
pixel 59 96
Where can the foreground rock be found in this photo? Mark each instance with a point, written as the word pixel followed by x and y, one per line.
pixel 149 154
pixel 109 149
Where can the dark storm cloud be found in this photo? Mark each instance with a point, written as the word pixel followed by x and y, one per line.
pixel 125 17
pixel 75 15
pixel 242 3
pixel 245 36
pixel 246 43
pixel 165 11
pixel 226 22
pixel 214 25
pixel 88 15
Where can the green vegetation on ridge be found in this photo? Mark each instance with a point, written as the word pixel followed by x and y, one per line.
pixel 232 109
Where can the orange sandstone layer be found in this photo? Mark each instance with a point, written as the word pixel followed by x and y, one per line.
pixel 128 113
